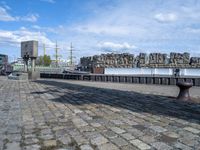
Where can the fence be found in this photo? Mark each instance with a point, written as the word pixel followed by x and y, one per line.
pixel 163 80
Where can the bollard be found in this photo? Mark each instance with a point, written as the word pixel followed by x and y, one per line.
pixel 184 94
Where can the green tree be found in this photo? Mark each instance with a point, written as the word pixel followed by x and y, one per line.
pixel 44 60
pixel 47 60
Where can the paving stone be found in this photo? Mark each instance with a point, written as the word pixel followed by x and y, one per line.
pixel 76 111
pixel 188 141
pixel 172 134
pixel 117 122
pixel 148 139
pixel 135 132
pixel 129 147
pixel 31 141
pixel 158 129
pixel 166 139
pixel 32 147
pixel 86 147
pixel 182 146
pixel 1 144
pixel 14 137
pixel 79 122
pixel 80 140
pixel 96 125
pixel 99 140
pixel 119 142
pixel 47 136
pixel 13 146
pixel 108 146
pixel 110 134
pixel 139 144
pixel 87 129
pixel 66 140
pixel 50 143
pixel 128 136
pixel 117 130
pixel 161 146
pixel 193 130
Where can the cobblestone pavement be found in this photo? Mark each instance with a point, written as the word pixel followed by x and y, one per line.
pixel 60 115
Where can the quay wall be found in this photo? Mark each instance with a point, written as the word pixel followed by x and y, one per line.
pixel 138 79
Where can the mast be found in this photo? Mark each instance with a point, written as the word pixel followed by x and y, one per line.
pixel 44 49
pixel 71 55
pixel 56 50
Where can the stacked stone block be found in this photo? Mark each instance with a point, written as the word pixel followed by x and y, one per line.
pixel 195 62
pixel 180 60
pixel 157 60
pixel 126 60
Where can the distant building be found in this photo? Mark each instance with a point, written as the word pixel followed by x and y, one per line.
pixel 3 60
pixel 18 65
pixel 5 67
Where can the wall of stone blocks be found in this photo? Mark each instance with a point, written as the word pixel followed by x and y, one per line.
pixel 153 60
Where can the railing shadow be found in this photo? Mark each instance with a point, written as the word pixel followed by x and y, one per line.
pixel 157 105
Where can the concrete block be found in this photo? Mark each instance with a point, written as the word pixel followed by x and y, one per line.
pixel 33 75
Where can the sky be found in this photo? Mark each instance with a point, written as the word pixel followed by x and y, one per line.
pixel 100 26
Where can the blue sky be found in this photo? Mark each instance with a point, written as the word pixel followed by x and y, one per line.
pixel 101 26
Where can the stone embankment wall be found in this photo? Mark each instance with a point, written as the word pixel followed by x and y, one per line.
pixel 126 60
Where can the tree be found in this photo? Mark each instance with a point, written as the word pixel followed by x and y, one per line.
pixel 44 60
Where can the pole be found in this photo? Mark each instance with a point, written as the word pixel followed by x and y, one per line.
pixel 71 57
pixel 56 54
pixel 32 65
pixel 44 49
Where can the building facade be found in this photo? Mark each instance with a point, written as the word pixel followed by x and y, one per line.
pixel 3 60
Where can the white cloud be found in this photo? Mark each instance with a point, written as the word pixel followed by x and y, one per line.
pixel 13 38
pixel 103 29
pixel 192 30
pixel 30 18
pixel 36 27
pixel 4 5
pixel 165 18
pixel 5 16
pixel 116 46
pixel 57 29
pixel 49 1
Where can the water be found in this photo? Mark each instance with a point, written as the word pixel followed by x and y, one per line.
pixel 151 71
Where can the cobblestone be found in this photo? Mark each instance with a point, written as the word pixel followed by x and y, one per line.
pixel 59 114
pixel 99 140
pixel 141 145
pixel 161 145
